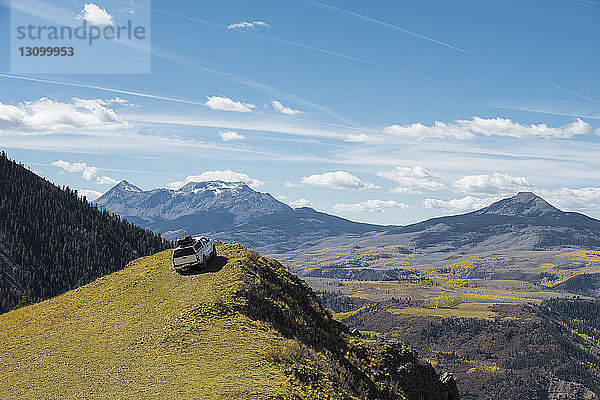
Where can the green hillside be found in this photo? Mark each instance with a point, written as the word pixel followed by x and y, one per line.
pixel 52 240
pixel 246 328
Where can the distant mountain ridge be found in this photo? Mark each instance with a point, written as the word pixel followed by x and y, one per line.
pixel 228 211
pixel 168 204
pixel 523 204
pixel 524 221
pixel 235 212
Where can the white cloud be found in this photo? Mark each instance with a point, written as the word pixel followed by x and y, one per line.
pixel 106 180
pixel 302 203
pixel 438 130
pixel 248 25
pixel 469 129
pixel 47 116
pixel 491 184
pixel 370 206
pixel 337 180
pixel 119 100
pixel 283 109
pixel 231 135
pixel 90 195
pixel 95 15
pixel 225 176
pixel 364 138
pixel 412 180
pixel 74 167
pixel 468 203
pixel 88 172
pixel 226 104
pixel 587 198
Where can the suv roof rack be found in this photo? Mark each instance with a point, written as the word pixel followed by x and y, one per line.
pixel 185 240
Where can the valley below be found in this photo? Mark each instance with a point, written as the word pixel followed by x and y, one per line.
pixel 509 324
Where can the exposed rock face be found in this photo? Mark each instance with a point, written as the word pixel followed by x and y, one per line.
pixel 450 382
pixel 559 389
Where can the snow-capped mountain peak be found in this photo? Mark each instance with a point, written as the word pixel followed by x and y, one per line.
pixel 216 197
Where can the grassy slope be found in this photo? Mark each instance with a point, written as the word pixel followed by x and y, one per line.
pixel 147 332
pixel 142 331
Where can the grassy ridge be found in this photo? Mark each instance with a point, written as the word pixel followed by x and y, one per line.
pixel 247 328
pixel 143 331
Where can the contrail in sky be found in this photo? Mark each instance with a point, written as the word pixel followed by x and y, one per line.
pixel 396 27
pixel 157 52
pixel 102 88
pixel 297 44
pixel 554 85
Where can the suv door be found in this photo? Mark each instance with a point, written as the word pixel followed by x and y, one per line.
pixel 205 250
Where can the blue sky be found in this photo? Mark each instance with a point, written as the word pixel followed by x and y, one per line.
pixel 386 112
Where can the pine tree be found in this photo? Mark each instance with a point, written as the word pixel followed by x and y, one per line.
pixel 56 240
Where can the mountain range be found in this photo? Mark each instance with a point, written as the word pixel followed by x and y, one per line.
pixel 235 212
pixel 227 211
pixel 524 221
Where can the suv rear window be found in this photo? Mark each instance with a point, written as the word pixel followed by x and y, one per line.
pixel 186 251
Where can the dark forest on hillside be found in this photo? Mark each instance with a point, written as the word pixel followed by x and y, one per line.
pixel 52 240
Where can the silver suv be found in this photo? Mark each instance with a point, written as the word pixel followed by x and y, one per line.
pixel 192 251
